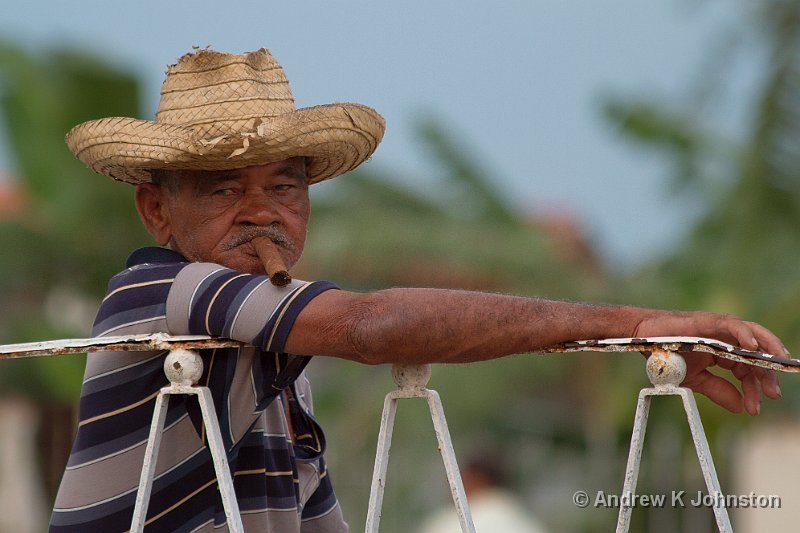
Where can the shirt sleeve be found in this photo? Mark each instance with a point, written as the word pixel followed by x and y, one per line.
pixel 208 299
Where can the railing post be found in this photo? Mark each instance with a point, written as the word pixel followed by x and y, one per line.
pixel 666 370
pixel 411 381
pixel 183 369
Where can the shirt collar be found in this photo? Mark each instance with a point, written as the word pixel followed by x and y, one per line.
pixel 154 254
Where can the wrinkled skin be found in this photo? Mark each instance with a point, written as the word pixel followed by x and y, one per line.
pixel 212 216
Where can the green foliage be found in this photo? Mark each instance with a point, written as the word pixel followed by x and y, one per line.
pixel 742 256
pixel 370 231
pixel 76 227
pixel 665 130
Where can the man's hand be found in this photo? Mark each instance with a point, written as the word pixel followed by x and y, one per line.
pixel 730 329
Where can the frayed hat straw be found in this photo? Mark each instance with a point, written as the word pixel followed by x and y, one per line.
pixel 223 111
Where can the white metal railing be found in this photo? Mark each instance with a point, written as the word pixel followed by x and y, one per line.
pixel 411 381
pixel 666 369
pixel 183 367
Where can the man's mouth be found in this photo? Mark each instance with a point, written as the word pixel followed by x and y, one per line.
pixel 273 233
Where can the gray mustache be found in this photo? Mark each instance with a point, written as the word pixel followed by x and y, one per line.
pixel 274 233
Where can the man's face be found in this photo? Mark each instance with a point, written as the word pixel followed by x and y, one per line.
pixel 212 216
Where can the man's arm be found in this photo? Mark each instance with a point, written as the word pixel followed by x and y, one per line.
pixel 445 326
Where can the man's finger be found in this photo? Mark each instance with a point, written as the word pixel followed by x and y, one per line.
pixel 727 364
pixel 767 341
pixel 719 390
pixel 751 387
pixel 768 381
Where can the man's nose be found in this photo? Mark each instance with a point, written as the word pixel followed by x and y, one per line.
pixel 257 208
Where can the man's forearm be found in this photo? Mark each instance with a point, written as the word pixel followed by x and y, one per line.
pixel 416 326
pixel 433 325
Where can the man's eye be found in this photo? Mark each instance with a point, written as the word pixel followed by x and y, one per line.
pixel 224 192
pixel 282 187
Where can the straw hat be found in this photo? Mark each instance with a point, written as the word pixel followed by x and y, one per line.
pixel 223 111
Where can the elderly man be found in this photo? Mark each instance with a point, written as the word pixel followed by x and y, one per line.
pixel 229 159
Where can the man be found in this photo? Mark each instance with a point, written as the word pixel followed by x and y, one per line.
pixel 229 159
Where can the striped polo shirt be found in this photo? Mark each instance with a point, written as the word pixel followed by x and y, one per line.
pixel 281 486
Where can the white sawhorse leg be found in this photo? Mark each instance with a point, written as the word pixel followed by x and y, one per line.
pixel 412 381
pixel 184 368
pixel 666 371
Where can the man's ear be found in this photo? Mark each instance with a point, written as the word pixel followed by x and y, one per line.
pixel 153 206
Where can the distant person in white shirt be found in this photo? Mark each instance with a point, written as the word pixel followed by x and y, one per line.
pixel 494 507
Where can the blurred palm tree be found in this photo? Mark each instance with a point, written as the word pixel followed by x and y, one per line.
pixel 71 233
pixel 742 255
pixel 372 230
pixel 75 228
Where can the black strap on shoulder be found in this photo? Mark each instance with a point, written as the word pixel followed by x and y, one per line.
pixel 291 370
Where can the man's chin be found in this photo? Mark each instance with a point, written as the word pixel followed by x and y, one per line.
pixel 248 264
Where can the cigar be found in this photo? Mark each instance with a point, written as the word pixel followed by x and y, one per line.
pixel 273 263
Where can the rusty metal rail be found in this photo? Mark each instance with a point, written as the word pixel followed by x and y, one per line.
pixel 183 367
pixel 681 345
pixel 128 343
pixel 160 341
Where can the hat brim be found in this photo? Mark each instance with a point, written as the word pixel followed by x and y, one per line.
pixel 334 139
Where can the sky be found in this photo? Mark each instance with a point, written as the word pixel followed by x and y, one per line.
pixel 519 84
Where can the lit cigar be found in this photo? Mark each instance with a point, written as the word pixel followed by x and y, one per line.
pixel 273 263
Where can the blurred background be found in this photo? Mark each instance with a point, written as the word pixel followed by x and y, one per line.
pixel 613 151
